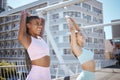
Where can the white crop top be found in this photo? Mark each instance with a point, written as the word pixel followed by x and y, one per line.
pixel 37 48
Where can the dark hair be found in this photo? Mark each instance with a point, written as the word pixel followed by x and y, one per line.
pixel 28 20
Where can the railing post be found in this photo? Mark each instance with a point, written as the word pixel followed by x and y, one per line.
pixel 57 72
pixel 76 69
pixel 19 76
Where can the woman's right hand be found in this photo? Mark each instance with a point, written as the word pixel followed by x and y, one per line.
pixel 25 13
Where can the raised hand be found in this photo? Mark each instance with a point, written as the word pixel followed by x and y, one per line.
pixel 76 37
pixel 25 13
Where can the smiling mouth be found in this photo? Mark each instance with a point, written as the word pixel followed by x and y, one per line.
pixel 39 30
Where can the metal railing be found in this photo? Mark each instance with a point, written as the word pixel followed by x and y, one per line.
pixel 20 72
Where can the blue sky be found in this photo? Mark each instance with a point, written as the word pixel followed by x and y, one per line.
pixel 111 10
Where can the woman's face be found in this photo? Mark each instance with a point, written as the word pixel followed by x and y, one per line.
pixel 35 27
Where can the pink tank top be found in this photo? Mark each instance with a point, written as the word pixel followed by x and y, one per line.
pixel 37 48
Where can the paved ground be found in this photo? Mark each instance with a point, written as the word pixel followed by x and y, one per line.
pixel 108 73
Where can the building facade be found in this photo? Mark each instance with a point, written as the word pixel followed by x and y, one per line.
pixel 87 13
pixel 116 39
pixel 3 5
pixel 115 30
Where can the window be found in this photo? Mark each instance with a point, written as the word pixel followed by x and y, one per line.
pixel 96 10
pixel 79 25
pixel 95 29
pixel 15 44
pixel 13 34
pixel 0 45
pixel 5 44
pixel 7 19
pixel 15 17
pixel 87 17
pixel 95 51
pixel 101 31
pixel 56 39
pixel 33 12
pixel 55 16
pixel 72 14
pixel 66 38
pixel 78 4
pixel 86 6
pixel 13 25
pixel 101 51
pixel 6 27
pixel 65 0
pixel 67 51
pixel 65 26
pixel 2 36
pixel 55 28
pixel 89 40
pixel 96 40
pixel 98 30
pixel 100 21
pixel 95 19
pixel 101 41
pixel 12 43
pixel 1 28
pixel 6 36
pixel 9 44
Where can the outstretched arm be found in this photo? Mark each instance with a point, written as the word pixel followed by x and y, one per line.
pixel 23 37
pixel 79 36
pixel 76 40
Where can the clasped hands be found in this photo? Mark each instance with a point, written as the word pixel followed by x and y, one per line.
pixel 77 39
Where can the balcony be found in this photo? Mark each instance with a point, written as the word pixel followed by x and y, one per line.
pixel 15 28
pixel 15 17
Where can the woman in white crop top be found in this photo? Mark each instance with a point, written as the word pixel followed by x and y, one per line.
pixel 30 28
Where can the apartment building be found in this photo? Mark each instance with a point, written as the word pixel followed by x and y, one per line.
pixel 3 5
pixel 87 13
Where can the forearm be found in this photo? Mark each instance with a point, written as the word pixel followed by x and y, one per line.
pixel 22 29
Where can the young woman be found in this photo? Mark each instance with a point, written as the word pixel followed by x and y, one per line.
pixel 30 36
pixel 84 56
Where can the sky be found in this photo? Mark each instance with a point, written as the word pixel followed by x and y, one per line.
pixel 111 11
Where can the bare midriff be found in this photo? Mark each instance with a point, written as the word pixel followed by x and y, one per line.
pixel 89 66
pixel 43 62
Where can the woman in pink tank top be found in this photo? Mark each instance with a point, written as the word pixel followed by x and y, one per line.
pixel 37 50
